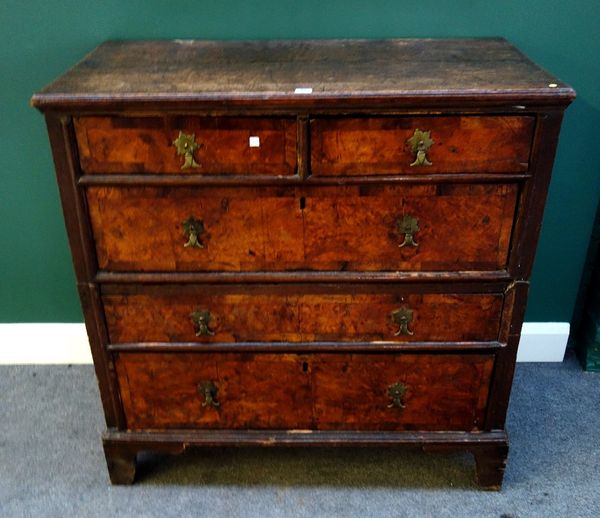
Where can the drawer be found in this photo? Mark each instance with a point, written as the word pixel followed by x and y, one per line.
pixel 305 313
pixel 220 145
pixel 390 145
pixel 323 391
pixel 446 227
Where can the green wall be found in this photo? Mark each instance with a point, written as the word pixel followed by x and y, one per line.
pixel 41 39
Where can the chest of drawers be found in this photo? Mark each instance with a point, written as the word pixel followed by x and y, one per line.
pixel 304 243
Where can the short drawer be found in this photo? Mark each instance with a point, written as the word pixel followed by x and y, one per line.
pixel 319 391
pixel 445 227
pixel 187 145
pixel 298 313
pixel 392 145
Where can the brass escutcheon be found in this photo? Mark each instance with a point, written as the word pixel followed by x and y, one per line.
pixel 192 228
pixel 408 225
pixel 208 390
pixel 186 146
pixel 200 319
pixel 396 392
pixel 402 317
pixel 420 143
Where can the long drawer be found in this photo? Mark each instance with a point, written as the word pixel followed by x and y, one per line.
pixel 445 227
pixel 304 313
pixel 322 391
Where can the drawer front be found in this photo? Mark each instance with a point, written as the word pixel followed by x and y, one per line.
pixel 383 145
pixel 221 145
pixel 320 391
pixel 302 314
pixel 407 391
pixel 168 390
pixel 355 228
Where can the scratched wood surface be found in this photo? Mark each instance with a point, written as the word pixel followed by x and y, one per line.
pixel 145 145
pixel 267 315
pixel 458 71
pixel 467 144
pixel 354 228
pixel 323 391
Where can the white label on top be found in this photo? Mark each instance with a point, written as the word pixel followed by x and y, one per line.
pixel 303 90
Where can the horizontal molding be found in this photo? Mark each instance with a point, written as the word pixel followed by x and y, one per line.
pixel 336 277
pixel 40 344
pixel 224 180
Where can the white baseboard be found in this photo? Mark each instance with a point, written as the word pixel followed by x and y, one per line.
pixel 68 343
pixel 44 344
pixel 543 341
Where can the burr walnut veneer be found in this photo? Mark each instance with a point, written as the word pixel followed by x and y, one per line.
pixel 304 243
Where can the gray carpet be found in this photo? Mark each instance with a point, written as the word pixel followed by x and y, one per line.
pixel 51 462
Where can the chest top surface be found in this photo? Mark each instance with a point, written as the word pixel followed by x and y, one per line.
pixel 304 72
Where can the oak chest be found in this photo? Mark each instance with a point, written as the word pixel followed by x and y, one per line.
pixel 304 243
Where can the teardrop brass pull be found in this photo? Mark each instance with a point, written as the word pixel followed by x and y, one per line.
pixel 208 390
pixel 408 225
pixel 420 143
pixel 192 229
pixel 200 319
pixel 186 146
pixel 402 317
pixel 396 393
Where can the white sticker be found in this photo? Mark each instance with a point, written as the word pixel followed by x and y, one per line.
pixel 303 90
pixel 254 141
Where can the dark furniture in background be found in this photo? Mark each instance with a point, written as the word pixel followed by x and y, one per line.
pixel 586 318
pixel 304 243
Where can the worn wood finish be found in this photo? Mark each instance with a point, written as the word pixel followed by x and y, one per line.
pixel 145 145
pixel 309 347
pixel 327 391
pixel 264 75
pixel 162 391
pixel 81 243
pixel 162 180
pixel 487 281
pixel 121 447
pixel 301 257
pixel 351 228
pixel 442 392
pixel 379 146
pixel 533 199
pixel 269 316
pixel 490 463
pixel 176 441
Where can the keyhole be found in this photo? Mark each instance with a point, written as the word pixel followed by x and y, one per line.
pixel 302 202
pixel 304 366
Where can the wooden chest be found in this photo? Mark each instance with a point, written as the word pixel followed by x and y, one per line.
pixel 304 243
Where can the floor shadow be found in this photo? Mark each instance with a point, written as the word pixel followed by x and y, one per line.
pixel 309 467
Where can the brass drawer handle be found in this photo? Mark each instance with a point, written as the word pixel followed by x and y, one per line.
pixel 192 229
pixel 186 145
pixel 208 390
pixel 396 393
pixel 420 143
pixel 408 226
pixel 200 319
pixel 402 317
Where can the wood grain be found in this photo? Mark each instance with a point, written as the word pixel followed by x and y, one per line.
pixel 327 391
pixel 350 228
pixel 264 75
pixel 466 144
pixel 268 314
pixel 145 145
